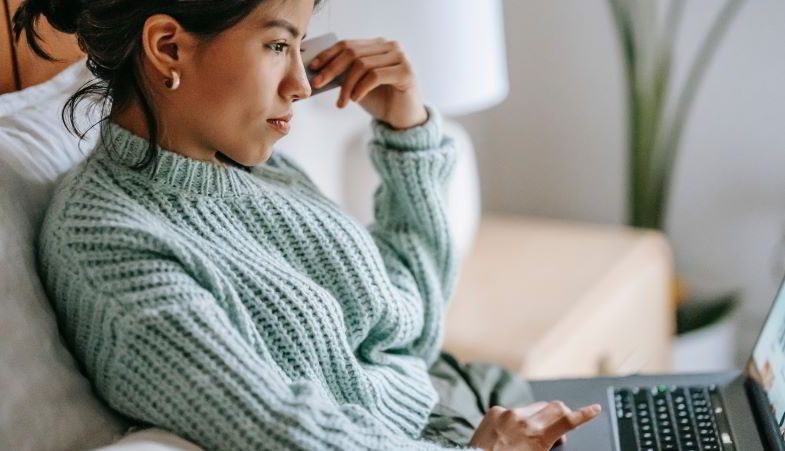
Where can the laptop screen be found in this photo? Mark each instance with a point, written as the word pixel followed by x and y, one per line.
pixel 767 365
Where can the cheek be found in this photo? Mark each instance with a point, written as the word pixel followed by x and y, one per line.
pixel 232 78
pixel 239 95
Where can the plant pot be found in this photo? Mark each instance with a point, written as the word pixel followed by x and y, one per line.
pixel 709 348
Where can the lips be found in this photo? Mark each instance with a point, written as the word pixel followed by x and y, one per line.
pixel 286 117
pixel 281 123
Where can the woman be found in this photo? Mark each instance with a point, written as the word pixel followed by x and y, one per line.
pixel 204 283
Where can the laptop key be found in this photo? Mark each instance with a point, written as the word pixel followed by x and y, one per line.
pixel 625 420
pixel 670 418
pixel 665 428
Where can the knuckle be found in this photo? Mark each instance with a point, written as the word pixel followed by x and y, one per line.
pixel 542 441
pixel 537 435
pixel 560 406
pixel 496 410
pixel 343 44
pixel 361 65
pixel 351 52
pixel 572 422
pixel 524 423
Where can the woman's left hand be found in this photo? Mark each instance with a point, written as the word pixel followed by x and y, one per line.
pixel 380 78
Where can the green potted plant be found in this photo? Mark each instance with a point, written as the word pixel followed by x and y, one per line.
pixel 657 114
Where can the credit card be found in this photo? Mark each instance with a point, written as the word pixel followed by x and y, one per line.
pixel 311 48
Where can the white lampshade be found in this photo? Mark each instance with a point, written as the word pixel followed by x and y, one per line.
pixel 456 46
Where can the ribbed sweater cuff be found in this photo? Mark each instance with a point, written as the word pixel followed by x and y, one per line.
pixel 421 137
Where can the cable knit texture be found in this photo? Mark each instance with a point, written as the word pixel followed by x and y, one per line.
pixel 241 308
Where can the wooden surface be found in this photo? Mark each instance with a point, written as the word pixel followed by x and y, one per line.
pixel 554 299
pixel 7 82
pixel 32 69
pixel 544 298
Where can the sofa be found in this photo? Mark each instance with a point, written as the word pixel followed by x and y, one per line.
pixel 512 267
pixel 47 403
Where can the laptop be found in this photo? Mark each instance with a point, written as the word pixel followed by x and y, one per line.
pixel 732 410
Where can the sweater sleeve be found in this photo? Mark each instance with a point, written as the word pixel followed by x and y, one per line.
pixel 410 224
pixel 161 349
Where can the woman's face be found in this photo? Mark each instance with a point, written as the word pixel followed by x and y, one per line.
pixel 234 84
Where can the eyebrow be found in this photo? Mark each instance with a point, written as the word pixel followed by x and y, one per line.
pixel 285 24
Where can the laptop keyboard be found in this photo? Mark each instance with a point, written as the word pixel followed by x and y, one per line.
pixel 669 418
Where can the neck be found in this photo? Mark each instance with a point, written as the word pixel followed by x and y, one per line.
pixel 121 148
pixel 134 120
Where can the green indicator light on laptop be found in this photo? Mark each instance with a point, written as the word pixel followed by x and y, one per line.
pixel 732 410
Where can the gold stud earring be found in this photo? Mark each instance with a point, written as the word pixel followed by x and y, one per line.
pixel 174 82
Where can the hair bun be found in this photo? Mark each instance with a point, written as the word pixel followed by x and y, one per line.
pixel 63 14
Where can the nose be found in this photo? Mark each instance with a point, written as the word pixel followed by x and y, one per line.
pixel 296 86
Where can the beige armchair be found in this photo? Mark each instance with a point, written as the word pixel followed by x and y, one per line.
pixel 544 298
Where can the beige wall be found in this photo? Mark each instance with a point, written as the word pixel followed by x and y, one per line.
pixel 555 147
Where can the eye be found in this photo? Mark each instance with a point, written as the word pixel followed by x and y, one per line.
pixel 278 47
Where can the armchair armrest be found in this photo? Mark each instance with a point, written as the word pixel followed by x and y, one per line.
pixel 558 299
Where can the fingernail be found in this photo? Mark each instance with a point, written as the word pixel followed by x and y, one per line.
pixel 596 408
pixel 317 80
pixel 313 63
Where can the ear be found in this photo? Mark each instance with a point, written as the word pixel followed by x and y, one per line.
pixel 166 44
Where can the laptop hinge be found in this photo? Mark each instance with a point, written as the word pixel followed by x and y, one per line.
pixel 767 425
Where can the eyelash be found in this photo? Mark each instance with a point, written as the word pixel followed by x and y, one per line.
pixel 278 52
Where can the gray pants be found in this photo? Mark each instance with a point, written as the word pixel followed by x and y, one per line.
pixel 466 392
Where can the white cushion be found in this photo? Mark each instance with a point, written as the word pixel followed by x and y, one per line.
pixel 46 402
pixel 151 439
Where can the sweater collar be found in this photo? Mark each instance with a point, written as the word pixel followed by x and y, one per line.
pixel 174 170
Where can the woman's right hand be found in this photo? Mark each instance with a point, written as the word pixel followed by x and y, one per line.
pixel 511 429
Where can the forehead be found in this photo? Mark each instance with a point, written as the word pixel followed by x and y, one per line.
pixel 283 15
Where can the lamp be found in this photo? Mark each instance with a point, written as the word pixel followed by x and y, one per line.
pixel 458 53
pixel 456 46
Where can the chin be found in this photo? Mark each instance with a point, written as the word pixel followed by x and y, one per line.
pixel 265 155
pixel 233 160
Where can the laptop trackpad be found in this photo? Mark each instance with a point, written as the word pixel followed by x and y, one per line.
pixel 598 433
pixel 595 435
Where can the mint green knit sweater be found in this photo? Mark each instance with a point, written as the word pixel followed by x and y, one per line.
pixel 243 309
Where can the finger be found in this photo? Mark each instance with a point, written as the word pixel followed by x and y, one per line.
pixel 393 75
pixel 557 419
pixel 530 409
pixel 552 413
pixel 574 420
pixel 360 68
pixel 326 55
pixel 341 62
pixel 344 59
pixel 582 415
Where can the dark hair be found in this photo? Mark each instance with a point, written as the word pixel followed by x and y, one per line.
pixel 109 32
